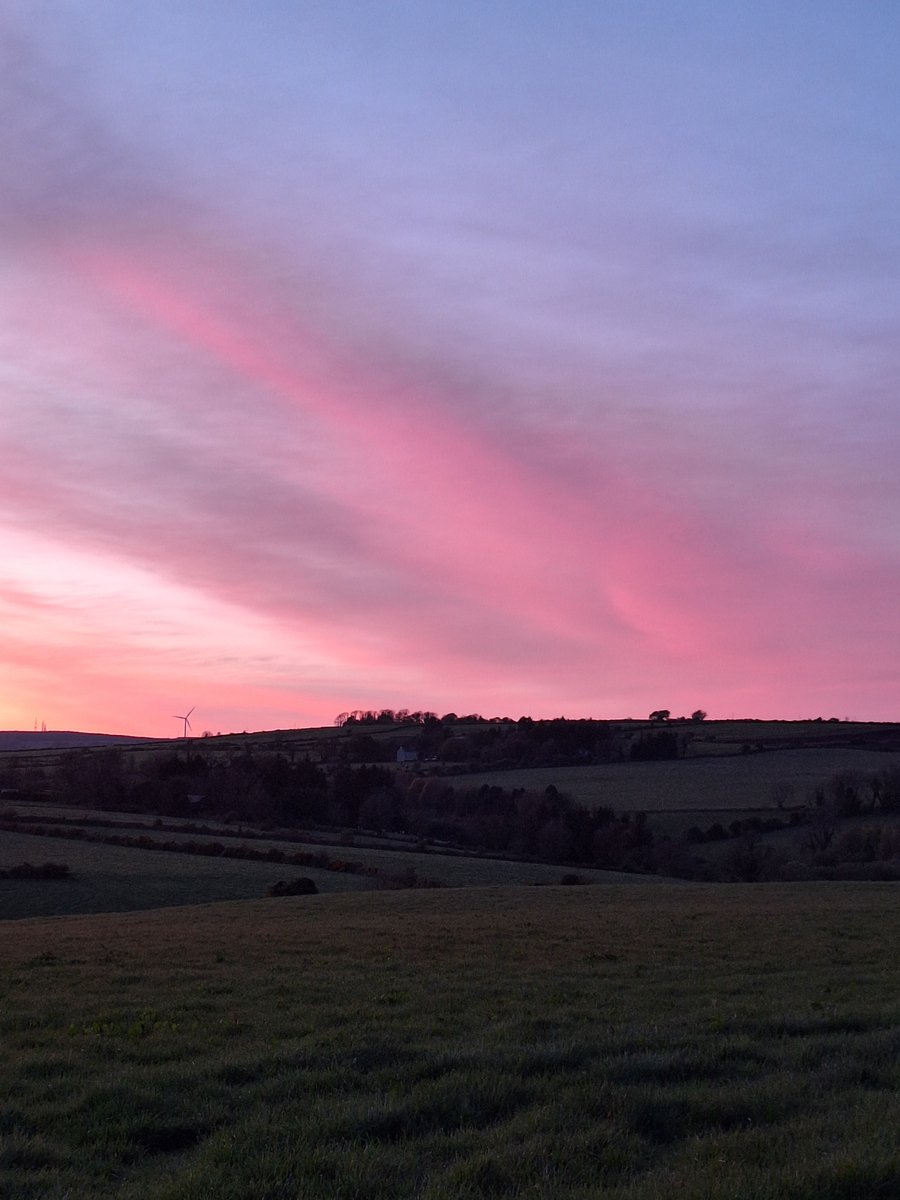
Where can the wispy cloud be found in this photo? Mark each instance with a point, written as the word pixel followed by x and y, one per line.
pixel 422 432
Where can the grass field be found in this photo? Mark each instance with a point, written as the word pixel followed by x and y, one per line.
pixel 565 1043
pixel 122 879
pixel 743 782
pixel 774 733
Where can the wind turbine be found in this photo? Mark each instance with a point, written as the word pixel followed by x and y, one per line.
pixel 187 723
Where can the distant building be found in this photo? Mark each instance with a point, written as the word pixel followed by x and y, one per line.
pixel 407 756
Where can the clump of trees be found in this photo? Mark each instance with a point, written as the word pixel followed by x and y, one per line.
pixel 662 715
pixel 473 741
pixel 392 716
pixel 660 744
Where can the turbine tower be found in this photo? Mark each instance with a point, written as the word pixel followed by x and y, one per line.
pixel 184 718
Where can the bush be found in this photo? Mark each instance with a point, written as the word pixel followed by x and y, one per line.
pixel 302 886
pixel 44 871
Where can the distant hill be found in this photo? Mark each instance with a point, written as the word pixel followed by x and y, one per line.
pixel 62 740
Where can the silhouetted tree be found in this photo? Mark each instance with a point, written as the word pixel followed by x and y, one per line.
pixel 748 859
pixel 654 746
pixel 351 786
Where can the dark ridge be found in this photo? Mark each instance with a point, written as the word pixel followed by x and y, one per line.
pixel 63 740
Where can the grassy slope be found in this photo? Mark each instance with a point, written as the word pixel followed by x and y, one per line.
pixel 123 879
pixel 566 1043
pixel 120 879
pixel 737 782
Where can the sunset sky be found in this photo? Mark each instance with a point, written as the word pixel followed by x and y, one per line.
pixel 496 355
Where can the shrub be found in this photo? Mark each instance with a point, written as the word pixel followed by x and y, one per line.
pixel 44 871
pixel 302 886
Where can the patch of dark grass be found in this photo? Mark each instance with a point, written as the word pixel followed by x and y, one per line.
pixel 482 1176
pixel 849 1181
pixel 552 1058
pixel 462 1101
pixel 679 1066
pixel 14 1121
pixel 868 1076
pixel 49 1068
pixel 28 1153
pixel 814 1025
pixel 379 1056
pixel 240 1074
pixel 46 959
pixel 666 1116
pixel 168 1138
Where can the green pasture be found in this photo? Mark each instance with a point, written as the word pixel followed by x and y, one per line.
pixel 447 870
pixel 740 732
pixel 740 782
pixel 568 1043
pixel 122 879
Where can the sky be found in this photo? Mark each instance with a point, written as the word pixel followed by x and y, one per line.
pixel 498 356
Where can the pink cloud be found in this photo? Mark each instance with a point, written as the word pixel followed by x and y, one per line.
pixel 478 485
pixel 449 548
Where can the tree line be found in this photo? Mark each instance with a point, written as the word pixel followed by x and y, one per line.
pixel 268 790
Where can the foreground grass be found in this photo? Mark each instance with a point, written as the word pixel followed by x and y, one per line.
pixel 566 1043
